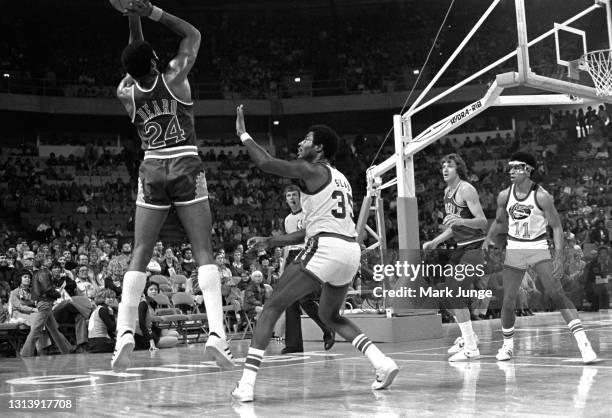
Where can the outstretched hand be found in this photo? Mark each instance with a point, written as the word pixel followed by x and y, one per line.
pixel 142 8
pixel 240 126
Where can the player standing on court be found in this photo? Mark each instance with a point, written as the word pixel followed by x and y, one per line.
pixel 524 211
pixel 466 223
pixel 293 315
pixel 331 256
pixel 160 107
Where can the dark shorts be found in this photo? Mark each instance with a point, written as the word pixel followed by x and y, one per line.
pixel 174 181
pixel 466 271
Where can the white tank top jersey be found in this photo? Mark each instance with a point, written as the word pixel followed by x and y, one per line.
pixel 329 209
pixel 526 221
pixel 294 222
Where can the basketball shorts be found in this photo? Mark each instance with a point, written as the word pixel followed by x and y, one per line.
pixel 173 181
pixel 330 258
pixel 522 259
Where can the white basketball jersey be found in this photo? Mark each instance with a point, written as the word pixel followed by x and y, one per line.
pixel 329 209
pixel 294 222
pixel 526 221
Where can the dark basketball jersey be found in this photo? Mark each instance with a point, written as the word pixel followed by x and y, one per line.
pixel 463 234
pixel 163 122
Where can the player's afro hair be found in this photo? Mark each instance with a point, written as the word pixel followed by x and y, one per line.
pixel 136 58
pixel 326 136
pixel 524 157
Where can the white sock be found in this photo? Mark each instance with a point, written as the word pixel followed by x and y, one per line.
pixel 508 336
pixel 251 366
pixel 210 284
pixel 133 286
pixel 367 347
pixel 576 328
pixel 468 334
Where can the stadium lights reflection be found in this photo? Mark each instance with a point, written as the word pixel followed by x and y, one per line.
pixel 297 79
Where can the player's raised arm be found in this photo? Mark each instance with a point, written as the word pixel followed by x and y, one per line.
pixel 182 63
pixel 500 224
pixel 297 169
pixel 135 29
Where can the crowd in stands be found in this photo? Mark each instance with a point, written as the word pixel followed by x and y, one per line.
pixel 85 281
pixel 371 48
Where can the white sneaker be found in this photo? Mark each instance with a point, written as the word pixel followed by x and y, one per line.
pixel 123 348
pixel 385 374
pixel 466 354
pixel 243 393
pixel 219 349
pixel 588 354
pixel 504 353
pixel 459 344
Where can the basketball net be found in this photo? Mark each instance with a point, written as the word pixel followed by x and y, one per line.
pixel 599 66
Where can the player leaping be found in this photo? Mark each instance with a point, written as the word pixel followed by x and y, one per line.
pixel 466 223
pixel 331 256
pixel 160 107
pixel 525 210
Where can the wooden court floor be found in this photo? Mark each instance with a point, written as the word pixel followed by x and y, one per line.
pixel 546 378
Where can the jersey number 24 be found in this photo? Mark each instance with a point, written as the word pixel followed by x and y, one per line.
pixel 153 134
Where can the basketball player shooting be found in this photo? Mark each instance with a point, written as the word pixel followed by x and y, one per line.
pixel 331 256
pixel 524 211
pixel 466 223
pixel 160 106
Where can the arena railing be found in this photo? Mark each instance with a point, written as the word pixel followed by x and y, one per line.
pixel 17 83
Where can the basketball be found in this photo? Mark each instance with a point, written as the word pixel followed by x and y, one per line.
pixel 120 5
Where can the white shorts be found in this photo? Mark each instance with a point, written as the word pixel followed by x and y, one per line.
pixel 331 259
pixel 524 258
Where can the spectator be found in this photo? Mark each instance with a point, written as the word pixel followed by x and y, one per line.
pixel 102 325
pixel 600 234
pixel 255 295
pixel 84 286
pixel 188 265
pixel 599 275
pixel 149 335
pixel 21 303
pixel 170 265
pixel 44 294
pixel 6 271
pixel 224 271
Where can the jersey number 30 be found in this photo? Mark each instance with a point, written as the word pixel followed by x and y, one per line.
pixel 341 210
pixel 173 134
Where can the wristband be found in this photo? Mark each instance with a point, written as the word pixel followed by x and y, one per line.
pixel 156 14
pixel 244 137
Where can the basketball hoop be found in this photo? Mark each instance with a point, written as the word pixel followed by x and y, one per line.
pixel 599 66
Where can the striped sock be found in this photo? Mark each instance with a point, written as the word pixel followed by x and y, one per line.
pixel 577 329
pixel 367 347
pixel 251 366
pixel 508 336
